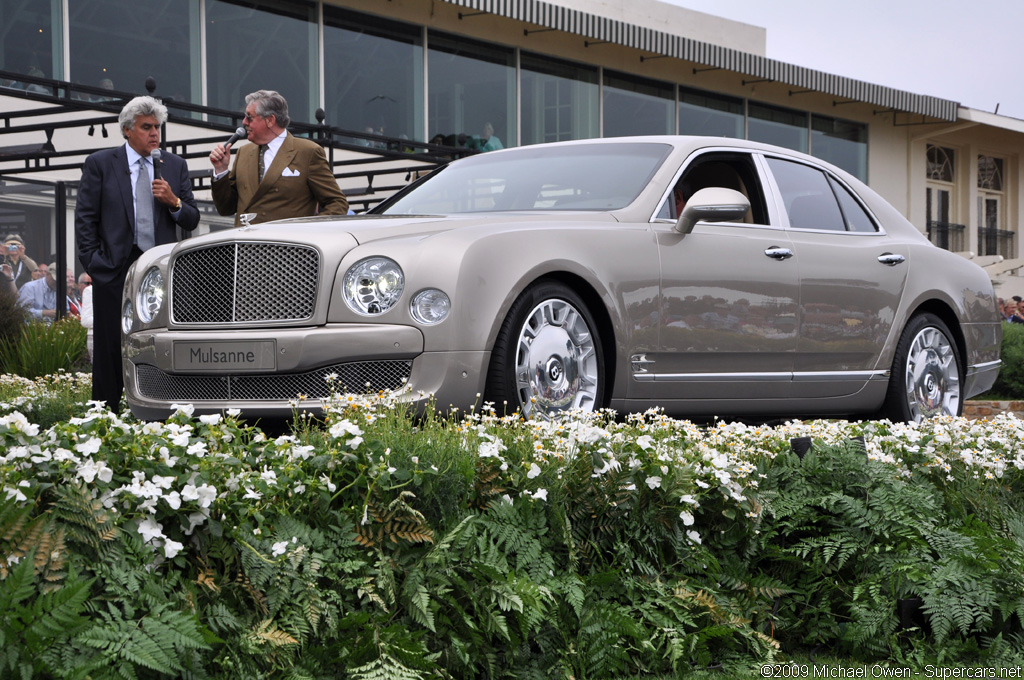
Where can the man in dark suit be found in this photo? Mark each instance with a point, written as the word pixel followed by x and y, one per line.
pixel 121 212
pixel 277 175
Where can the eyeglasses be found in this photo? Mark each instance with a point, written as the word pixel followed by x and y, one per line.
pixel 250 118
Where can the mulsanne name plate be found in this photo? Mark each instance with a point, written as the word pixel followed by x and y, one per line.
pixel 225 356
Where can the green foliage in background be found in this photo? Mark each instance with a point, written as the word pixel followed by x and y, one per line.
pixel 41 349
pixel 1010 383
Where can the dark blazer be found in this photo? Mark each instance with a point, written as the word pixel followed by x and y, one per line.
pixel 105 213
pixel 298 180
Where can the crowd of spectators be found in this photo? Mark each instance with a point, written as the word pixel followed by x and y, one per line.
pixel 1012 309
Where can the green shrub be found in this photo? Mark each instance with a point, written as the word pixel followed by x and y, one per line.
pixel 1010 382
pixel 12 322
pixel 44 348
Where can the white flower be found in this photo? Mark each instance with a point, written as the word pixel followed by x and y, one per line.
pixel 279 549
pixel 653 482
pixel 693 536
pixel 173 499
pixel 534 471
pixel 343 427
pixel 89 446
pixel 645 442
pixel 89 469
pixel 331 486
pixel 688 498
pixel 198 449
pixel 703 485
pixel 187 409
pixel 505 498
pixel 210 420
pixel 149 529
pixel 299 489
pixel 541 494
pixel 269 476
pixel 687 518
pixel 172 548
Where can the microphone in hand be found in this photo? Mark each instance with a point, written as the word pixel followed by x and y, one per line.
pixel 240 133
pixel 157 163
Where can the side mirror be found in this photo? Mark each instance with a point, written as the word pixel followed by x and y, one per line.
pixel 713 204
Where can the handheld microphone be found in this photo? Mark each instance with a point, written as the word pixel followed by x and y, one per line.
pixel 155 155
pixel 240 133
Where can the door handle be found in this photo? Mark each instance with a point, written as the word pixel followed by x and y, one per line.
pixel 778 253
pixel 891 259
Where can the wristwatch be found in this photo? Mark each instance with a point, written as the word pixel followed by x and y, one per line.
pixel 177 206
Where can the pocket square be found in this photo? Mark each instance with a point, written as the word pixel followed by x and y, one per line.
pixel 288 172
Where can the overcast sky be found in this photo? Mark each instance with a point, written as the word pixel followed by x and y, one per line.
pixel 968 51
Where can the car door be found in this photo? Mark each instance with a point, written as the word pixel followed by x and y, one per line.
pixel 851 275
pixel 728 298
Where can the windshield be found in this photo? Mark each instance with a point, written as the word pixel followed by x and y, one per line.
pixel 571 177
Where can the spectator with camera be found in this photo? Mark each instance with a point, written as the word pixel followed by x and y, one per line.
pixel 20 264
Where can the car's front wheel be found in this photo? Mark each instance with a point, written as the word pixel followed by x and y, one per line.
pixel 547 357
pixel 926 371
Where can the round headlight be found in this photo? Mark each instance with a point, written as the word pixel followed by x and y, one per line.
pixel 430 306
pixel 150 299
pixel 373 286
pixel 127 317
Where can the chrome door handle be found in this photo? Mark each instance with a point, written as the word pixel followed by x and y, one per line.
pixel 891 259
pixel 777 253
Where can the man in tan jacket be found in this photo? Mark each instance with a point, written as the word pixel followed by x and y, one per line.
pixel 276 176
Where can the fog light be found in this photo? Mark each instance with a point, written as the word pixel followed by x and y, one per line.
pixel 127 317
pixel 430 306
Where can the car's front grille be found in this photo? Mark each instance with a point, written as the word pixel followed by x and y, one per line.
pixel 244 283
pixel 359 377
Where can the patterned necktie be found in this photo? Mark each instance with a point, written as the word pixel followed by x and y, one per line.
pixel 145 236
pixel 263 150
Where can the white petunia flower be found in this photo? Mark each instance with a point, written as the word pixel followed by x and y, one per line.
pixel 187 409
pixel 149 529
pixel 534 471
pixel 89 446
pixel 172 548
pixel 653 482
pixel 279 549
pixel 693 536
pixel 687 518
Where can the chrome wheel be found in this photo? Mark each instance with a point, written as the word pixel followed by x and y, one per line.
pixel 556 362
pixel 932 375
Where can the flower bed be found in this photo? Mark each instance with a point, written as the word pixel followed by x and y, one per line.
pixel 376 544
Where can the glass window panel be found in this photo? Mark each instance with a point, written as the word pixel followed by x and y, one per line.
pixel 841 143
pixel 703 113
pixel 261 45
pixel 857 219
pixel 941 163
pixel 116 44
pixel 373 74
pixel 635 106
pixel 807 195
pixel 990 173
pixel 560 100
pixel 471 84
pixel 30 39
pixel 781 127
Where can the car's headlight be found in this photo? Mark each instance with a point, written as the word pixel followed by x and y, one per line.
pixel 430 306
pixel 127 317
pixel 373 286
pixel 150 298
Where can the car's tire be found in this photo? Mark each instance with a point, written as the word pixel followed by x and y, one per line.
pixel 547 357
pixel 927 373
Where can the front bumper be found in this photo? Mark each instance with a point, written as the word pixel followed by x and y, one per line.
pixel 291 370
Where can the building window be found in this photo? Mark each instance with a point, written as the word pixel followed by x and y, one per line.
pixel 992 238
pixel 778 126
pixel 470 85
pixel 559 100
pixel 704 113
pixel 32 39
pixel 373 71
pixel 842 143
pixel 942 228
pixel 156 42
pixel 262 45
pixel 636 106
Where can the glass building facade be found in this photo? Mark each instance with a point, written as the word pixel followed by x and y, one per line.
pixel 380 75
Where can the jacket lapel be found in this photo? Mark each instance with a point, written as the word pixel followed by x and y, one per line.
pixel 285 155
pixel 124 184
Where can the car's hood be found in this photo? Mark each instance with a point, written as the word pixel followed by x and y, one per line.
pixel 368 228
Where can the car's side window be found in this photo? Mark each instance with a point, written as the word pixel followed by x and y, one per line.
pixel 857 218
pixel 807 195
pixel 718 169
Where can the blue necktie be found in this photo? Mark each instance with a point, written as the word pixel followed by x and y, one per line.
pixel 145 236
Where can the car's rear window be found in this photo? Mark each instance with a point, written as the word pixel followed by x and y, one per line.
pixel 572 177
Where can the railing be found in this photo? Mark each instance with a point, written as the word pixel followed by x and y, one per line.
pixel 995 242
pixel 949 236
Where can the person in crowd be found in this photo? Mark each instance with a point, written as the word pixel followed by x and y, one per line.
pixel 85 291
pixel 41 271
pixel 1015 307
pixel 7 285
pixel 39 296
pixel 277 175
pixel 21 265
pixel 122 211
pixel 487 141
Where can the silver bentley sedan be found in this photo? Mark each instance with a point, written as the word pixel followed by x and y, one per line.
pixel 704 276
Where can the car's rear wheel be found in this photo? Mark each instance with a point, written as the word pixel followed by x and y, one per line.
pixel 926 372
pixel 547 358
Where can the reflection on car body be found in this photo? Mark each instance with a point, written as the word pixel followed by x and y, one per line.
pixel 705 276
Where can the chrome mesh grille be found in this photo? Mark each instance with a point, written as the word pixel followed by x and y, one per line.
pixel 244 283
pixel 359 377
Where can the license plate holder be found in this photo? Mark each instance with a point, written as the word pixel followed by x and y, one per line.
pixel 224 356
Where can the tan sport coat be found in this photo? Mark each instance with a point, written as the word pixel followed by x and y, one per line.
pixel 298 180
